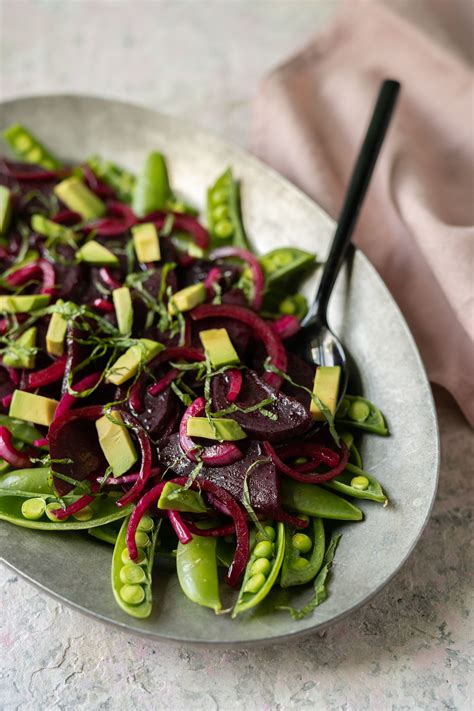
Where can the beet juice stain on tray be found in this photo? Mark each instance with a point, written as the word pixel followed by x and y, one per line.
pixel 150 393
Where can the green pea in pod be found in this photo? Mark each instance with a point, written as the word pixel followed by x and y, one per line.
pixel 132 580
pixel 304 554
pixel 356 411
pixel 262 569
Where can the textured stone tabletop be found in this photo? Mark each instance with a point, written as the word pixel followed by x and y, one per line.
pixel 408 648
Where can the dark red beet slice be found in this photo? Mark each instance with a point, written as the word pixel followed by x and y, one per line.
pixel 76 440
pixel 161 413
pixel 292 418
pixel 262 479
pixel 301 373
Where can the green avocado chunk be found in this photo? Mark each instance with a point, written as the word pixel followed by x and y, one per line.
pixel 56 333
pixel 326 388
pixel 22 352
pixel 176 498
pixel 128 363
pixel 32 408
pixel 223 429
pixel 23 304
pixel 218 347
pixel 187 298
pixel 123 309
pixel 5 208
pixel 77 197
pixel 116 443
pixel 146 242
pixel 95 253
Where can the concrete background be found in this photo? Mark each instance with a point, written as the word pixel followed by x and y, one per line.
pixel 409 648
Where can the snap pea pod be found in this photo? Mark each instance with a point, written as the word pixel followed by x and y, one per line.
pixel 20 430
pixel 4 466
pixel 104 510
pixel 28 147
pixel 29 481
pixel 313 500
pixel 277 303
pixel 356 411
pixel 196 566
pixel 224 214
pixel 114 176
pixel 354 454
pixel 106 533
pixel 175 498
pixel 152 188
pixel 285 263
pixel 298 569
pixel 262 570
pixel 346 483
pixel 132 582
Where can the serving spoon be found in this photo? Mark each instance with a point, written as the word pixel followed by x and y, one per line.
pixel 316 343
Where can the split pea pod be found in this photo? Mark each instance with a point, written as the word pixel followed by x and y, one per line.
pixel 20 430
pixel 38 512
pixel 105 533
pixel 28 481
pixel 313 500
pixel 29 148
pixel 354 454
pixel 132 581
pixel 357 483
pixel 262 569
pixel 357 411
pixel 224 214
pixel 196 566
pixel 304 554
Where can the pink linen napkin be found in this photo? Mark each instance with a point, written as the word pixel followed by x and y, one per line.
pixel 416 226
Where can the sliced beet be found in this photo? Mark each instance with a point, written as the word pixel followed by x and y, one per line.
pixel 161 413
pixel 76 440
pixel 292 418
pixel 301 373
pixel 262 479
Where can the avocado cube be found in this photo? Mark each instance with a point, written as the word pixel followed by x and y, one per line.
pixel 176 498
pixel 187 298
pixel 326 388
pixel 146 242
pixel 116 443
pixel 223 430
pixel 95 253
pixel 5 208
pixel 23 304
pixel 218 346
pixel 22 353
pixel 32 408
pixel 75 194
pixel 127 365
pixel 56 333
pixel 123 309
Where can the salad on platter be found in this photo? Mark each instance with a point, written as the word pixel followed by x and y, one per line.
pixel 151 392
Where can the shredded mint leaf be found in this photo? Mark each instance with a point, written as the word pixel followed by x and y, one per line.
pixel 246 496
pixel 320 591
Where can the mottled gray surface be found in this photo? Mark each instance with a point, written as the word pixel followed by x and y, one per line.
pixel 409 648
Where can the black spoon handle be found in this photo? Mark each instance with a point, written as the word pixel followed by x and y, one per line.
pixel 354 198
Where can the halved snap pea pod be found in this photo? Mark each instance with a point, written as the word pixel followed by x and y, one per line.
pixel 196 566
pixel 262 569
pixel 132 581
pixel 152 188
pixel 313 500
pixel 224 215
pixel 354 454
pixel 28 481
pixel 285 263
pixel 304 554
pixel 356 411
pixel 28 147
pixel 102 510
pixel 359 484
